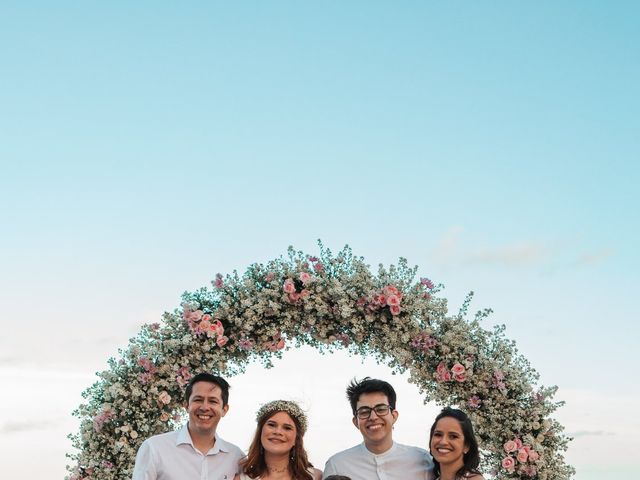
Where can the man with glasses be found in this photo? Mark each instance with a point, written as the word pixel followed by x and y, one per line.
pixel 373 403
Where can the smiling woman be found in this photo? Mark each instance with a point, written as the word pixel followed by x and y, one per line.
pixel 277 449
pixel 454 446
pixel 327 302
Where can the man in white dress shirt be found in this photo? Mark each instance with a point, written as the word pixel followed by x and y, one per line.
pixel 373 403
pixel 195 451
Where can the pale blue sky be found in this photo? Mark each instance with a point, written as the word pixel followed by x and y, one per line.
pixel 145 147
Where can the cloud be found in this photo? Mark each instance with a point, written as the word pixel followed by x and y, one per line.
pixel 510 255
pixel 451 250
pixel 28 426
pixel 589 259
pixel 9 361
pixel 590 433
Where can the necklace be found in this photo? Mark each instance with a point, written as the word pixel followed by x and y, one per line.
pixel 277 470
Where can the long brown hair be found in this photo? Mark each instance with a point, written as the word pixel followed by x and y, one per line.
pixel 254 465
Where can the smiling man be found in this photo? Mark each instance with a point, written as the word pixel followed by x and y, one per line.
pixel 373 403
pixel 195 451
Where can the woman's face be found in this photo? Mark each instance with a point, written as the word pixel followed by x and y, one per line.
pixel 447 444
pixel 278 434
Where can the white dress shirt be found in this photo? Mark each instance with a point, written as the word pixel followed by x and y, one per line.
pixel 172 456
pixel 400 462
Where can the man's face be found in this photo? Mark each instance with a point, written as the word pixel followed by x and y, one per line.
pixel 205 408
pixel 376 430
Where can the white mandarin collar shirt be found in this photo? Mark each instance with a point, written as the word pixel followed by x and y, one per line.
pixel 400 462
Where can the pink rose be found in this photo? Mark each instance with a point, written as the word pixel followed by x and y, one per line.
pixel 530 470
pixel 203 327
pixel 221 341
pixel 380 299
pixel 280 344
pixel 217 327
pixel 391 290
pixel 289 286
pixel 164 417
pixel 270 276
pixel 510 446
pixel 318 267
pixel 206 317
pixel 457 369
pixel 509 464
pixel 522 455
pixel 393 300
pixel 518 443
pixel 460 378
pixel 305 277
pixel 294 297
pixel 164 398
pixel 533 455
pixel 304 293
pixel 218 282
pixel 394 309
pixel 441 369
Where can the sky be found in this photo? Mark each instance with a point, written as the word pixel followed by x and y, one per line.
pixel 146 147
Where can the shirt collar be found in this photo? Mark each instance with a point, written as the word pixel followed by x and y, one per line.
pixel 185 438
pixel 365 449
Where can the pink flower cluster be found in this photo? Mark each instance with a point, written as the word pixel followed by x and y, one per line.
pixel 318 267
pixel 184 375
pixel 103 417
pixel 201 323
pixel 289 287
pixel 457 373
pixel 389 297
pixel 474 402
pixel 149 370
pixel 343 338
pixel 276 344
pixel 427 283
pixel 520 457
pixel 423 342
pixel 498 381
pixel 245 344
pixel 218 282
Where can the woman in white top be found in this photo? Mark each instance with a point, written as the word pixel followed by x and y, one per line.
pixel 277 451
pixel 454 447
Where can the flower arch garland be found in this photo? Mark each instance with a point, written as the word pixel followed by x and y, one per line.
pixel 328 302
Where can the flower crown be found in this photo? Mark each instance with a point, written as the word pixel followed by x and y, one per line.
pixel 291 408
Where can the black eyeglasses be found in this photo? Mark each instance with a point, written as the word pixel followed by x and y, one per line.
pixel 380 409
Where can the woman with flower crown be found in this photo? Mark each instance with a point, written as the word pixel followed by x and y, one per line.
pixel 454 447
pixel 277 451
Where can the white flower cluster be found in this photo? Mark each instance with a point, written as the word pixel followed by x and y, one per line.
pixel 330 301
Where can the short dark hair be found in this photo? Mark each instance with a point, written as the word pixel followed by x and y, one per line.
pixel 208 377
pixel 471 459
pixel 337 477
pixel 369 385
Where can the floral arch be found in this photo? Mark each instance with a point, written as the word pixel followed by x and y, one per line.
pixel 329 302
